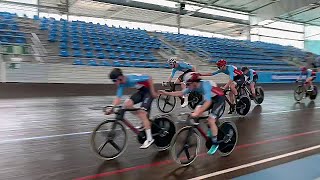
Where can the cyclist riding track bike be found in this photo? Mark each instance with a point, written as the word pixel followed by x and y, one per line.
pixel 144 95
pixel 309 77
pixel 236 78
pixel 213 100
pixel 185 68
pixel 252 78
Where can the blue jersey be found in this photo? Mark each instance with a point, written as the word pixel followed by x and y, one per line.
pixel 182 66
pixel 133 80
pixel 307 73
pixel 251 73
pixel 206 89
pixel 232 71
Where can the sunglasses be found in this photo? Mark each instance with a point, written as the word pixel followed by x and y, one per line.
pixel 115 80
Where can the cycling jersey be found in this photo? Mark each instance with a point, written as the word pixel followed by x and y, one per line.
pixel 182 66
pixel 206 89
pixel 232 71
pixel 133 80
pixel 309 73
pixel 251 73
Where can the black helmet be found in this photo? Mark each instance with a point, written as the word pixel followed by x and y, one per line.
pixel 115 73
pixel 244 68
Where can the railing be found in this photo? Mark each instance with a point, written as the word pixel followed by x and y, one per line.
pixel 39 51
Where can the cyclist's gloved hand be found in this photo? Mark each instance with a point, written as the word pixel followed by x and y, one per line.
pixel 164 83
pixel 108 111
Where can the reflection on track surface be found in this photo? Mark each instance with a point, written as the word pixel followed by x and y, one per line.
pixel 48 138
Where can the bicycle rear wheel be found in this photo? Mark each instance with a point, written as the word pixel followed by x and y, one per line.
pixel 109 140
pixel 229 134
pixel 185 146
pixel 243 105
pixel 259 95
pixel 314 93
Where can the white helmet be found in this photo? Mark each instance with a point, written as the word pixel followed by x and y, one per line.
pixel 172 60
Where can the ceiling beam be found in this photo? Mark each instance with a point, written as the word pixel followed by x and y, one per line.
pixel 279 8
pixel 312 19
pixel 174 11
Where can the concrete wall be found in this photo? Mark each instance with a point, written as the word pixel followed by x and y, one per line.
pixel 62 73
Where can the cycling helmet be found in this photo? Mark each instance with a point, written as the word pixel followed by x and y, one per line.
pixel 221 63
pixel 303 68
pixel 244 68
pixel 172 60
pixel 191 77
pixel 115 73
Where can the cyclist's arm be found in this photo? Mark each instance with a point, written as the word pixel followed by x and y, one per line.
pixel 228 84
pixel 231 75
pixel 299 77
pixel 117 100
pixel 172 74
pixel 194 69
pixel 175 93
pixel 152 89
pixel 251 75
pixel 216 72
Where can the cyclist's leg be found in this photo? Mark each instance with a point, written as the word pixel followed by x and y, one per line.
pixel 252 87
pixel 183 86
pixel 144 116
pixel 217 107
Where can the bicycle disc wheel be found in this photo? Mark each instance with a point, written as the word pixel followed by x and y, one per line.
pixel 243 105
pixel 109 140
pixel 259 95
pixel 314 93
pixel 227 132
pixel 166 104
pixel 185 146
pixel 164 129
pixel 299 93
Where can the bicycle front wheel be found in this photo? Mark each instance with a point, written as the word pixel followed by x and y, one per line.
pixel 109 140
pixel 185 146
pixel 166 103
pixel 299 93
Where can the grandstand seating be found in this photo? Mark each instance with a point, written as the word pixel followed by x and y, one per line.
pixel 259 55
pixel 101 45
pixel 9 30
pixel 87 40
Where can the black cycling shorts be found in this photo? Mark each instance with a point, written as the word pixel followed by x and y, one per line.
pixel 184 73
pixel 239 79
pixel 217 106
pixel 144 97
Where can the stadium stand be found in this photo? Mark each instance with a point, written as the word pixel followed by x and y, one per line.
pixel 258 55
pixel 81 43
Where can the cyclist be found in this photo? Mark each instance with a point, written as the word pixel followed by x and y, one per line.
pixel 145 95
pixel 310 76
pixel 252 78
pixel 185 68
pixel 236 79
pixel 214 99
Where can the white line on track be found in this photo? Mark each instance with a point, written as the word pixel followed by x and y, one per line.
pixel 255 163
pixel 83 133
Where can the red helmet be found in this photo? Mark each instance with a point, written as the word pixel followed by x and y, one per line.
pixel 221 63
pixel 303 68
pixel 191 77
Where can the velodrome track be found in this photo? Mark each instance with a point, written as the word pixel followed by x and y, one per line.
pixel 48 138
